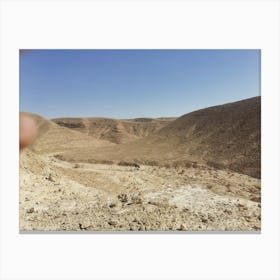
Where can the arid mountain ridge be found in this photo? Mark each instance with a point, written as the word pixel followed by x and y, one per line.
pixel 226 137
pixel 115 131
pixel 184 174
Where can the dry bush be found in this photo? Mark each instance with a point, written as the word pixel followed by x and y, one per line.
pixel 91 160
pixel 60 157
pixel 187 164
pixel 125 163
pixel 104 161
pixel 100 161
pixel 151 163
pixel 166 165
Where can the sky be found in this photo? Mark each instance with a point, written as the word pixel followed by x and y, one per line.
pixel 126 84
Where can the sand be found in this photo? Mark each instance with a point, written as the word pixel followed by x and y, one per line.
pixel 97 197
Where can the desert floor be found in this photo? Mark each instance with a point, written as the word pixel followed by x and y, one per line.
pixel 58 195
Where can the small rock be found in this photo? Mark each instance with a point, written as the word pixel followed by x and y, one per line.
pixel 83 227
pixel 112 223
pixel 228 211
pixel 211 218
pixel 256 198
pixel 242 206
pixel 256 228
pixel 182 227
pixel 248 218
pixel 204 220
pixel 112 205
pixel 50 178
pixel 30 210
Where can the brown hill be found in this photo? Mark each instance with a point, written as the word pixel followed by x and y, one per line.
pixel 59 195
pixel 225 136
pixel 115 131
pixel 52 138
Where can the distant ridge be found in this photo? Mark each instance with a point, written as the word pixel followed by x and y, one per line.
pixel 224 136
pixel 54 138
pixel 113 130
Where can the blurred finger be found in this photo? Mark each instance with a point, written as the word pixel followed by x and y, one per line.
pixel 27 130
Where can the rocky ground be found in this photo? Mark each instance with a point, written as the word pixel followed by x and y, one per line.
pixel 59 195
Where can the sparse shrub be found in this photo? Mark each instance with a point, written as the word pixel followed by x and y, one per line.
pixel 104 161
pixel 125 163
pixel 60 157
pixel 151 162
pixel 122 197
pixel 91 160
pixel 101 161
pixel 76 165
pixel 166 165
pixel 187 164
pixel 71 125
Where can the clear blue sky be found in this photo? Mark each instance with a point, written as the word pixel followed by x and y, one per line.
pixel 134 83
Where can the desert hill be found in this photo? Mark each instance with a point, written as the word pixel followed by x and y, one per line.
pixel 53 138
pixel 71 179
pixel 225 136
pixel 113 130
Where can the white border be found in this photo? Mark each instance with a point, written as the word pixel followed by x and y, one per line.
pixel 140 24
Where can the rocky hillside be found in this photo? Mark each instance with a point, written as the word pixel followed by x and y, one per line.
pixel 225 136
pixel 53 138
pixel 115 131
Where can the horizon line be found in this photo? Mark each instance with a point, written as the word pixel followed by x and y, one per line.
pixel 139 117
